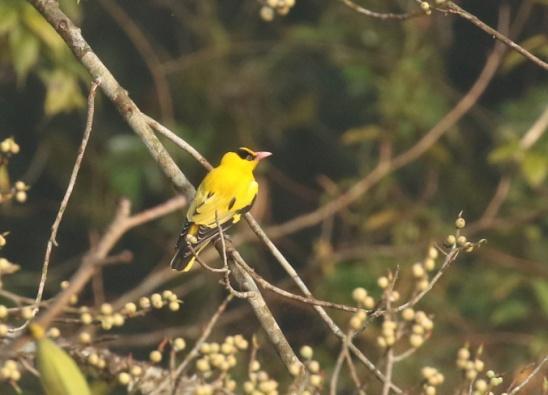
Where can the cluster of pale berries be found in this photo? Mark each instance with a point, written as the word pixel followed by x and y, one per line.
pixel 129 376
pixel 272 7
pixel 10 371
pixel 216 360
pixel 108 318
pixel 8 148
pixel 315 380
pixel 363 299
pixel 459 240
pixel 431 379
pixel 472 367
pixel 427 8
pixel 420 270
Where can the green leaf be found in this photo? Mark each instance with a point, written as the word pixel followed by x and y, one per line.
pixel 509 311
pixel 534 167
pixel 504 153
pixel 541 291
pixel 24 48
pixel 62 93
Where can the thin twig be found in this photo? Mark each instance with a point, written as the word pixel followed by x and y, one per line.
pixel 535 132
pixel 352 369
pixel 147 52
pixel 302 299
pixel 336 371
pixel 228 286
pixel 450 258
pixel 528 378
pixel 202 263
pixel 72 181
pixel 385 167
pixel 196 349
pixel 452 8
pixel 388 16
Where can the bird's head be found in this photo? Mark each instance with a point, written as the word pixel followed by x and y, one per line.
pixel 244 158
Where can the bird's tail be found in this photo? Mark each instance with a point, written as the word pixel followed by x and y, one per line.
pixel 197 237
pixel 184 257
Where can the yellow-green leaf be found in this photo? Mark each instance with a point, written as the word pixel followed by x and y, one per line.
pixel 63 93
pixel 42 29
pixel 534 167
pixel 59 373
pixel 24 48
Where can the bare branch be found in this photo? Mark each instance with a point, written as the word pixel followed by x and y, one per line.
pixel 55 227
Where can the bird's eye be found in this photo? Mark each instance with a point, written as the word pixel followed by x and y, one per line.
pixel 245 154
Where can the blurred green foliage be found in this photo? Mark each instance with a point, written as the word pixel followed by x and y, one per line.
pixel 321 88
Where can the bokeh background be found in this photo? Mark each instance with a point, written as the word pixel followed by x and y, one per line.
pixel 321 88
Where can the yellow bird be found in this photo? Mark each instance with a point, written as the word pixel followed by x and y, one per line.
pixel 226 192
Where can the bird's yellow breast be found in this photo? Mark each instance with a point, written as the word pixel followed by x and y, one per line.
pixel 223 192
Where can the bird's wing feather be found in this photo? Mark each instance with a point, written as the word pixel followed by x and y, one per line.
pixel 223 194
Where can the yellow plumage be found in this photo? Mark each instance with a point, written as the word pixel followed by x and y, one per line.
pixel 227 192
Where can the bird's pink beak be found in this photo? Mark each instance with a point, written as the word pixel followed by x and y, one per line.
pixel 262 154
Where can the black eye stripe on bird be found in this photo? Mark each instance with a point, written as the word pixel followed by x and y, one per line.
pixel 226 192
pixel 246 153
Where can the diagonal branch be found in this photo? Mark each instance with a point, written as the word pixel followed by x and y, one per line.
pixel 454 9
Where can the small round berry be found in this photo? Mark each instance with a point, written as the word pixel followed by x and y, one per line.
pixel 136 371
pixel 3 330
pixel 144 302
pixel 106 309
pixel 130 308
pixel 86 318
pixel 124 378
pixel 481 385
pixel 155 356
pixel 359 294
pixel 408 314
pixel 460 223
pixel 21 196
pixel 118 319
pixel 3 311
pixel 202 365
pixel 295 369
pixel 27 312
pixel 463 353
pixel 54 332
pixel 418 270
pixel 179 344
pixel 267 14
pixel 307 352
pixel 93 359
pixel 429 264
pixel 416 340
pixel 85 338
pixel 382 282
pixel 369 302
pixel 314 366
